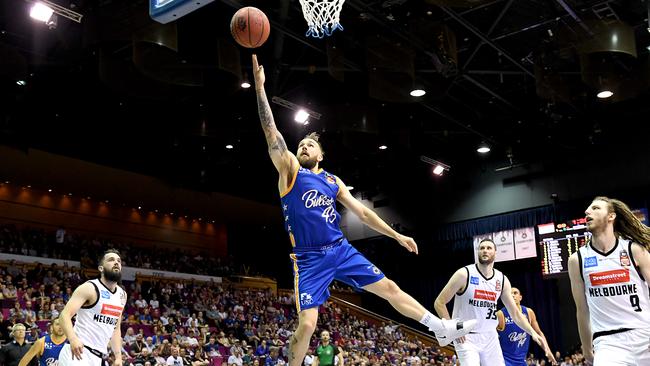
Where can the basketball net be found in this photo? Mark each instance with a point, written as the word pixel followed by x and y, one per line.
pixel 322 16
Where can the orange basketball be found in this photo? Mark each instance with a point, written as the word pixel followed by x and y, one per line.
pixel 250 27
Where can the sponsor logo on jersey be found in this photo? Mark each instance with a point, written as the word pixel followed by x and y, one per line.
pixel 519 338
pixel 123 298
pixel 473 280
pixel 591 262
pixel 306 299
pixel 498 286
pixel 105 294
pixel 485 295
pixel 624 258
pixel 609 277
pixel 330 179
pixel 111 310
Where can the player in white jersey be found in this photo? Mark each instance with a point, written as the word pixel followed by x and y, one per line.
pixel 609 287
pixel 476 289
pixel 98 305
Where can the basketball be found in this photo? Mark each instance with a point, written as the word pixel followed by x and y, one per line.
pixel 250 27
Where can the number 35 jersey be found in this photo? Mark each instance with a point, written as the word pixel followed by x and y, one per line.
pixel 309 210
pixel 479 299
pixel 616 293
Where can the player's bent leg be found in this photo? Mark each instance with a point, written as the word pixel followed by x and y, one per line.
pixel 400 300
pixel 299 342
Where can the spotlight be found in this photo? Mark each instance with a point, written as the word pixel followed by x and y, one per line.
pixel 417 92
pixel 245 84
pixel 438 167
pixel 301 116
pixel 41 12
pixel 21 82
pixel 483 148
pixel 383 147
pixel 139 207
pixel 49 190
pixel 229 146
pixel 605 94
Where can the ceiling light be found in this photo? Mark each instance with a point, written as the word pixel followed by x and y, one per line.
pixel 604 94
pixel 483 148
pixel 383 147
pixel 301 116
pixel 41 12
pixel 21 82
pixel 648 48
pixel 417 92
pixel 139 207
pixel 49 190
pixel 229 146
pixel 245 84
pixel 438 167
pixel 438 170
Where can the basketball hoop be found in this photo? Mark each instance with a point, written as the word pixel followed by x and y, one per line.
pixel 322 16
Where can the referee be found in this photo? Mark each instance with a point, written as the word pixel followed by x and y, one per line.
pixel 326 352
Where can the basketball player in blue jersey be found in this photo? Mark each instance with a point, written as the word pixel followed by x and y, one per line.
pixel 514 340
pixel 320 252
pixel 46 348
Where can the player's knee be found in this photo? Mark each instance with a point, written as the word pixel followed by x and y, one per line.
pixel 392 290
pixel 308 326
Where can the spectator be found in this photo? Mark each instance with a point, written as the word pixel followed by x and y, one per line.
pixel 175 359
pixel 12 353
pixel 235 359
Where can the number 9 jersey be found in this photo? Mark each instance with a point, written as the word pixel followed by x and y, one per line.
pixel 616 293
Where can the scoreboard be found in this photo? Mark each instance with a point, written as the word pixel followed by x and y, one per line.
pixel 558 241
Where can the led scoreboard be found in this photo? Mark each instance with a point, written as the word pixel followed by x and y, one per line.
pixel 558 241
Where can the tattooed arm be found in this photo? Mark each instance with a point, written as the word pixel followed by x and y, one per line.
pixel 284 160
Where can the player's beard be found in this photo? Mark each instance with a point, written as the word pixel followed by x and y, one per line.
pixel 112 276
pixel 485 261
pixel 307 163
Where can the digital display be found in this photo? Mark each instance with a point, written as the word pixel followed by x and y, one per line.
pixel 558 241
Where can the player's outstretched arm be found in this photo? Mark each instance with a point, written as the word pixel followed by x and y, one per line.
pixel 582 310
pixel 371 219
pixel 283 159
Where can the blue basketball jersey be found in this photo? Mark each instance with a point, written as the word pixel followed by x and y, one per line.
pixel 51 350
pixel 309 208
pixel 514 340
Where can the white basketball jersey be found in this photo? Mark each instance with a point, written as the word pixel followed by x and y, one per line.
pixel 96 323
pixel 479 299
pixel 616 294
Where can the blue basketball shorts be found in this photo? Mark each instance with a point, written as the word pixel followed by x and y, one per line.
pixel 313 271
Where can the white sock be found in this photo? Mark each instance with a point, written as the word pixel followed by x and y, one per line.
pixel 431 321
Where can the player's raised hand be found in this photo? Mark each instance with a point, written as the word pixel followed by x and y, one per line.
pixel 258 73
pixel 407 242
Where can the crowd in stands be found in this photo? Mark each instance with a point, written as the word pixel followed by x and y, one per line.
pixel 198 323
pixel 66 245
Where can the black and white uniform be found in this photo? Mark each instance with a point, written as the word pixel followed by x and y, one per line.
pixel 479 301
pixel 95 325
pixel 619 305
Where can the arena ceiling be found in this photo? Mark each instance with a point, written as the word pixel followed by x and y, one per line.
pixel 521 76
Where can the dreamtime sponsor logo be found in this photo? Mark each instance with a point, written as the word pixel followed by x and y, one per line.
pixel 609 277
pixel 485 295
